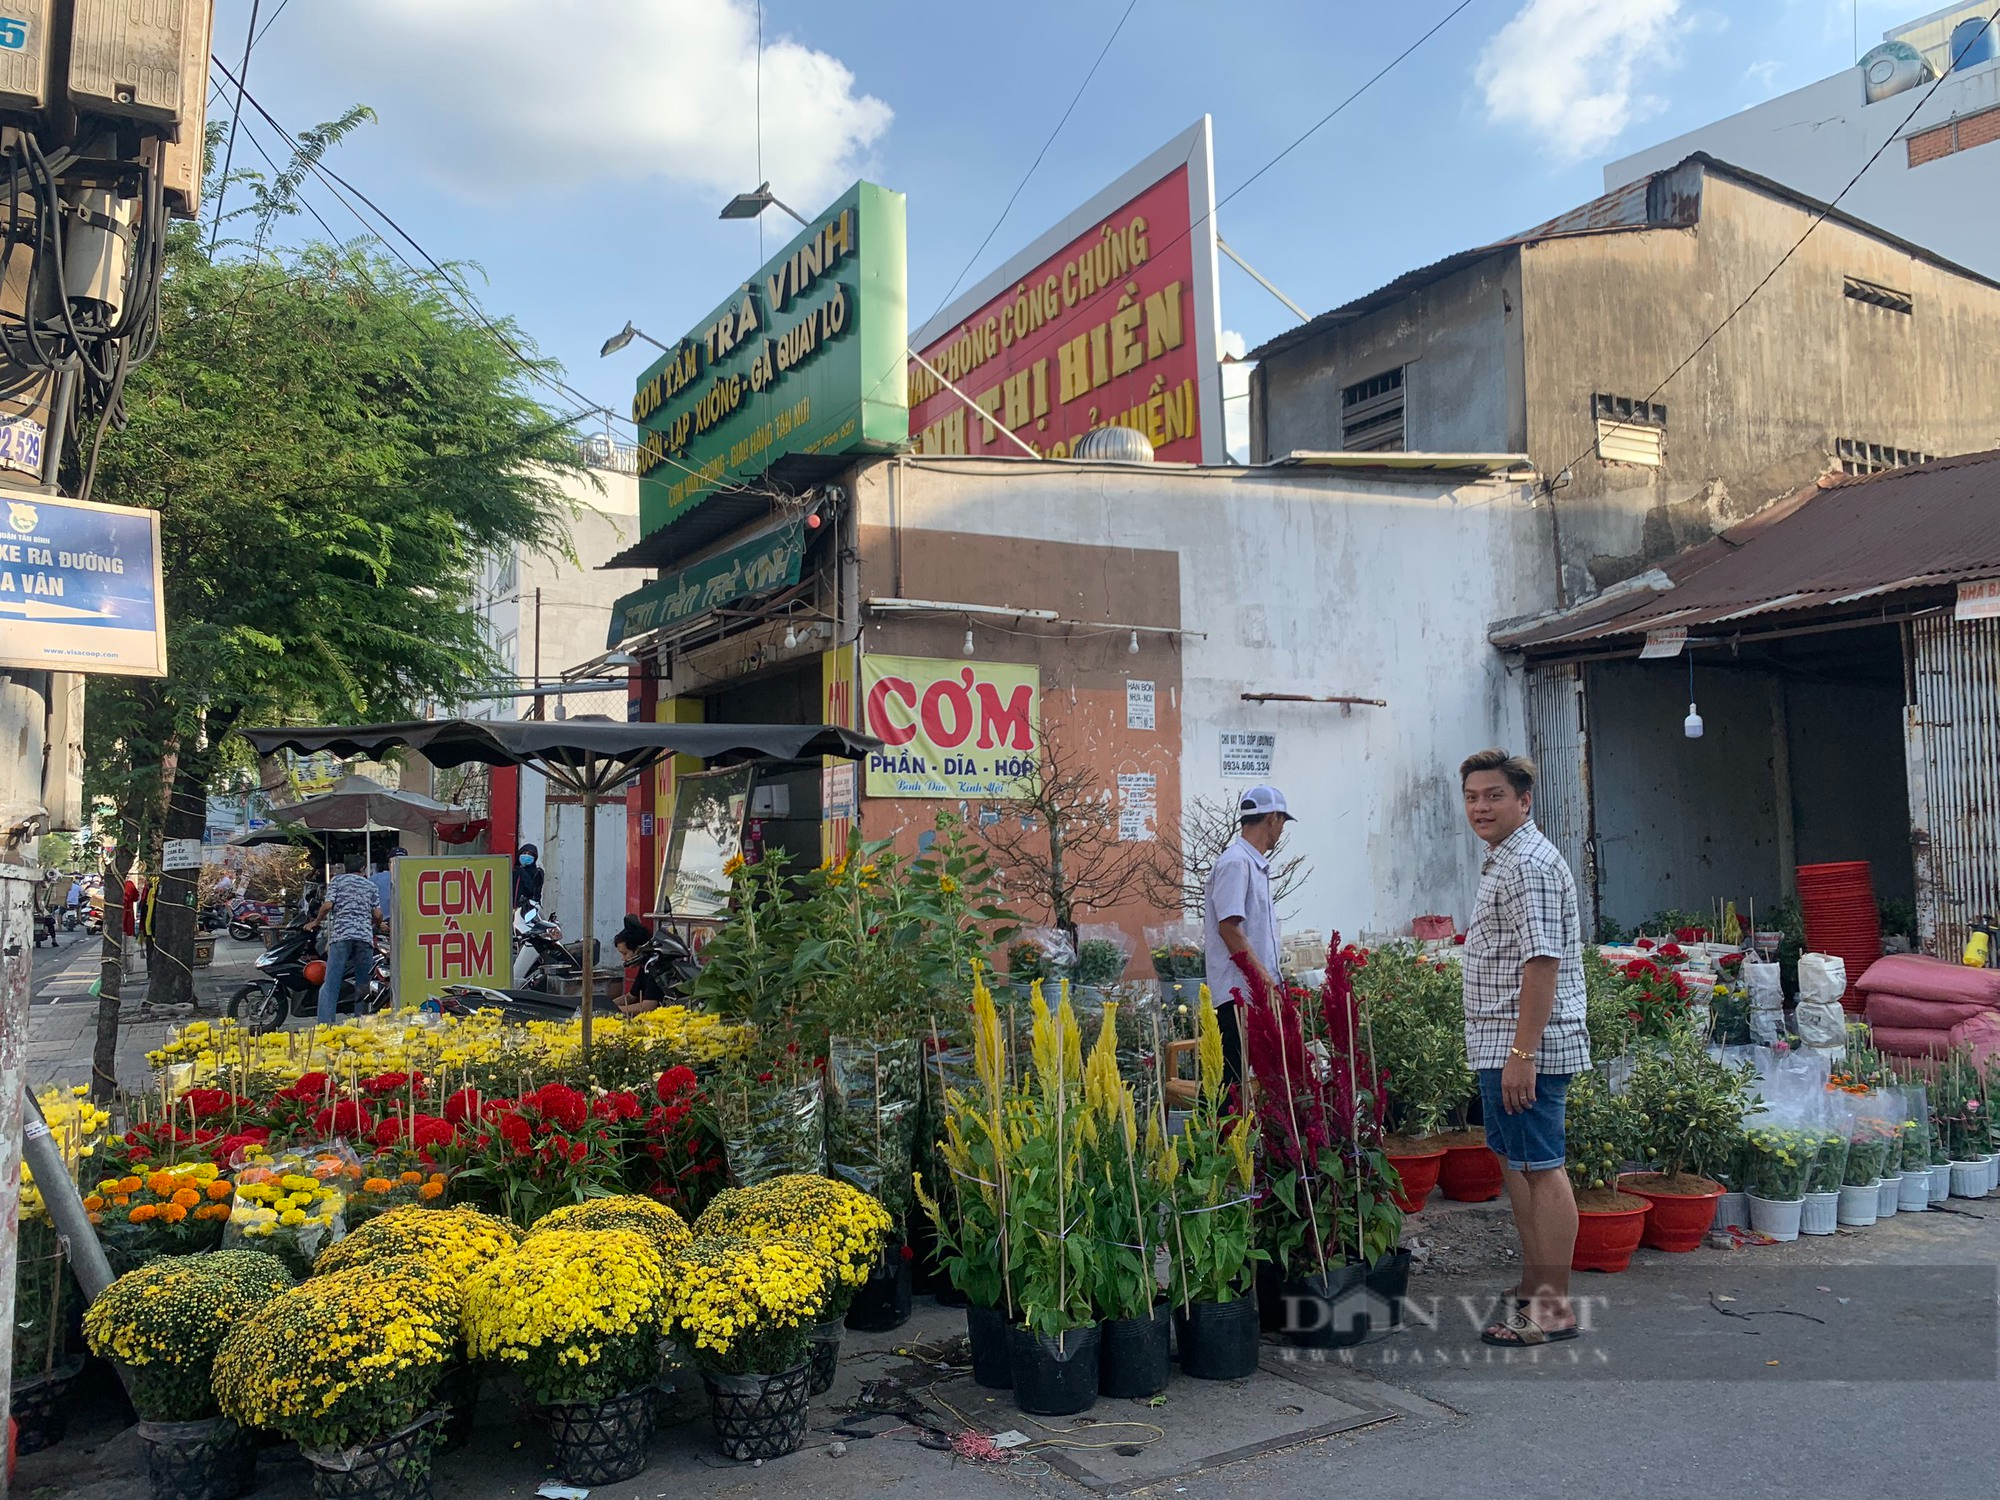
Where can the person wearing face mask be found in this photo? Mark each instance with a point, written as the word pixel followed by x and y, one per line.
pixel 527 876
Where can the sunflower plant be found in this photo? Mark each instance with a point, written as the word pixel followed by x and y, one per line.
pixel 654 1222
pixel 164 1323
pixel 576 1311
pixel 845 1226
pixel 743 1306
pixel 343 1359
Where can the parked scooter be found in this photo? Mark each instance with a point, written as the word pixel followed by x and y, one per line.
pixel 542 961
pixel 667 962
pixel 293 972
pixel 247 917
pixel 213 916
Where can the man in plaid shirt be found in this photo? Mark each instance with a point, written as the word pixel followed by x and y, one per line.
pixel 1524 1033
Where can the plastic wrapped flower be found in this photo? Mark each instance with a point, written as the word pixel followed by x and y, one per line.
pixel 576 1311
pixel 664 1229
pixel 165 1321
pixel 845 1226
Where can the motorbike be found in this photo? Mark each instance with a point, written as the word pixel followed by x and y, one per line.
pixel 292 973
pixel 541 958
pixel 665 960
pixel 247 917
pixel 213 916
pixel 89 916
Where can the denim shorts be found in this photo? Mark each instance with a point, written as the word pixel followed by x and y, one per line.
pixel 1531 1141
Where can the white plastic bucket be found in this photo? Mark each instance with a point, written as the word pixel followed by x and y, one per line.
pixel 1775 1217
pixel 1821 1213
pixel 1968 1179
pixel 1913 1191
pixel 1731 1208
pixel 1940 1181
pixel 1992 1171
pixel 1857 1205
pixel 1887 1191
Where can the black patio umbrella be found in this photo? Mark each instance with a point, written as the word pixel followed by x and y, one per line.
pixel 592 757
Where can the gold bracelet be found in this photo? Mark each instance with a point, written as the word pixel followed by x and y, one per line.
pixel 1517 1052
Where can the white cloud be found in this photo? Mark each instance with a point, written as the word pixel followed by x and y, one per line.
pixel 1571 71
pixel 1236 397
pixel 517 97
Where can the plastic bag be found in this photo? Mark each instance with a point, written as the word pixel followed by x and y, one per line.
pixel 1041 953
pixel 1177 950
pixel 1833 1127
pixel 1874 1136
pixel 1102 952
pixel 771 1130
pixel 873 1095
pixel 1822 977
pixel 1767 1000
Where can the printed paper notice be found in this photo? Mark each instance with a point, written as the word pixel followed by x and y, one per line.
pixel 180 854
pixel 1138 801
pixel 1138 704
pixel 1247 754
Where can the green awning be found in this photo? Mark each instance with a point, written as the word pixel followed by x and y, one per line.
pixel 758 564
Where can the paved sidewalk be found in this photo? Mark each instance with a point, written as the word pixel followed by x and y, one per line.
pixel 62 1025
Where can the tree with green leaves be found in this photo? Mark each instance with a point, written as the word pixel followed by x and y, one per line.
pixel 334 442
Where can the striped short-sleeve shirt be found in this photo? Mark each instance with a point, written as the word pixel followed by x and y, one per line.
pixel 1526 908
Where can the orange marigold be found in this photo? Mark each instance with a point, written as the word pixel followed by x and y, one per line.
pixel 187 1197
pixel 412 1177
pixel 145 1212
pixel 121 1200
pixel 218 1190
pixel 173 1213
pixel 212 1211
pixel 430 1190
pixel 162 1183
pixel 94 1202
pixel 129 1184
pixel 377 1185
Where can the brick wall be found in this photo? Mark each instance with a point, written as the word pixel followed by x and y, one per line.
pixel 1959 135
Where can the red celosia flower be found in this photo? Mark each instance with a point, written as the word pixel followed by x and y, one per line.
pixel 308 1086
pixel 205 1104
pixel 676 1081
pixel 559 1104
pixel 616 1105
pixel 462 1106
pixel 347 1118
pixel 391 1083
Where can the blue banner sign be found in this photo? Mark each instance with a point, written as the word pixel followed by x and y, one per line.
pixel 80 586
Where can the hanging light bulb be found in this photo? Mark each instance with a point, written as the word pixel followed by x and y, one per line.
pixel 791 635
pixel 1691 725
pixel 968 640
pixel 1132 649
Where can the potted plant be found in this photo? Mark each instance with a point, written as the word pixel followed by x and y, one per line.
pixel 1872 1136
pixel 1691 1109
pixel 1053 1344
pixel 347 1366
pixel 666 1231
pixel 1777 1161
pixel 1599 1131
pixel 1821 1213
pixel 162 1324
pixel 974 1228
pixel 1416 1034
pixel 1211 1200
pixel 847 1227
pixel 174 1210
pixel 1913 1177
pixel 1959 1110
pixel 577 1312
pixel 1126 1193
pixel 741 1310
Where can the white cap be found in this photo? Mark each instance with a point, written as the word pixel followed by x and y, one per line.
pixel 1260 800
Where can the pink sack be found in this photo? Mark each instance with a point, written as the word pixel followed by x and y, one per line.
pixel 1981 1034
pixel 1921 1015
pixel 1923 978
pixel 1905 1041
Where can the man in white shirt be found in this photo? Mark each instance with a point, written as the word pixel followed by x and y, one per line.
pixel 1239 921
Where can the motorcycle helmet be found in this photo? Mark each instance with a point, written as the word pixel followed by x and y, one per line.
pixel 316 971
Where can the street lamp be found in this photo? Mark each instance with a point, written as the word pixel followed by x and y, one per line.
pixel 749 205
pixel 625 336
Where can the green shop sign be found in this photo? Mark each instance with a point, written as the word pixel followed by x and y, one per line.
pixel 807 357
pixel 769 560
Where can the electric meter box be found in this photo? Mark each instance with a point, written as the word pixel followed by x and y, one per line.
pixel 181 158
pixel 24 54
pixel 129 58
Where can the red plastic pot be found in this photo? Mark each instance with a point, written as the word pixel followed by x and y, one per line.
pixel 1471 1174
pixel 1606 1238
pixel 1677 1222
pixel 1419 1171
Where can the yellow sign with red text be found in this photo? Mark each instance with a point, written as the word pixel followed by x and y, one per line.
pixel 951 728
pixel 452 924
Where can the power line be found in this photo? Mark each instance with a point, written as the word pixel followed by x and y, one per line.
pixel 1075 99
pixel 274 19
pixel 229 154
pixel 1818 219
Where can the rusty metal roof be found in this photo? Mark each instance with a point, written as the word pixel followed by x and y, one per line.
pixel 1842 548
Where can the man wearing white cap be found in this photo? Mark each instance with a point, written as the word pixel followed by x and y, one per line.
pixel 1239 921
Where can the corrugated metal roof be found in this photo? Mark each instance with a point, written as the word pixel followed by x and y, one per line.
pixel 1835 545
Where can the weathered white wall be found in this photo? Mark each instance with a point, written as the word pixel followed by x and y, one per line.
pixel 1303 582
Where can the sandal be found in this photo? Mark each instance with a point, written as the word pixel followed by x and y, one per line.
pixel 1519 1331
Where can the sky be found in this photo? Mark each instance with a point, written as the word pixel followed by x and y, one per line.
pixel 576 151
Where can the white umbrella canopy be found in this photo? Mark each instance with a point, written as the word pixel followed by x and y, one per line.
pixel 358 804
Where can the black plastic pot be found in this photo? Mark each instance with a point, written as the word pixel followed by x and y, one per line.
pixel 1389 1281
pixel 1332 1311
pixel 40 1407
pixel 1218 1340
pixel 458 1394
pixel 883 1301
pixel 1054 1377
pixel 948 1295
pixel 1270 1297
pixel 986 1331
pixel 601 1442
pixel 203 1460
pixel 823 1356
pixel 1135 1355
pixel 396 1467
pixel 756 1417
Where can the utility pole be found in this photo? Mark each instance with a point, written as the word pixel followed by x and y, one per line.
pixel 109 105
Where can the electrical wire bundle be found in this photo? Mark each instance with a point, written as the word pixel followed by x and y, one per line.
pixel 44 331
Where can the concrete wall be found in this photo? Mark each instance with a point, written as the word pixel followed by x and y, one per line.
pixel 1459 342
pixel 1299 582
pixel 1760 411
pixel 1815 139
